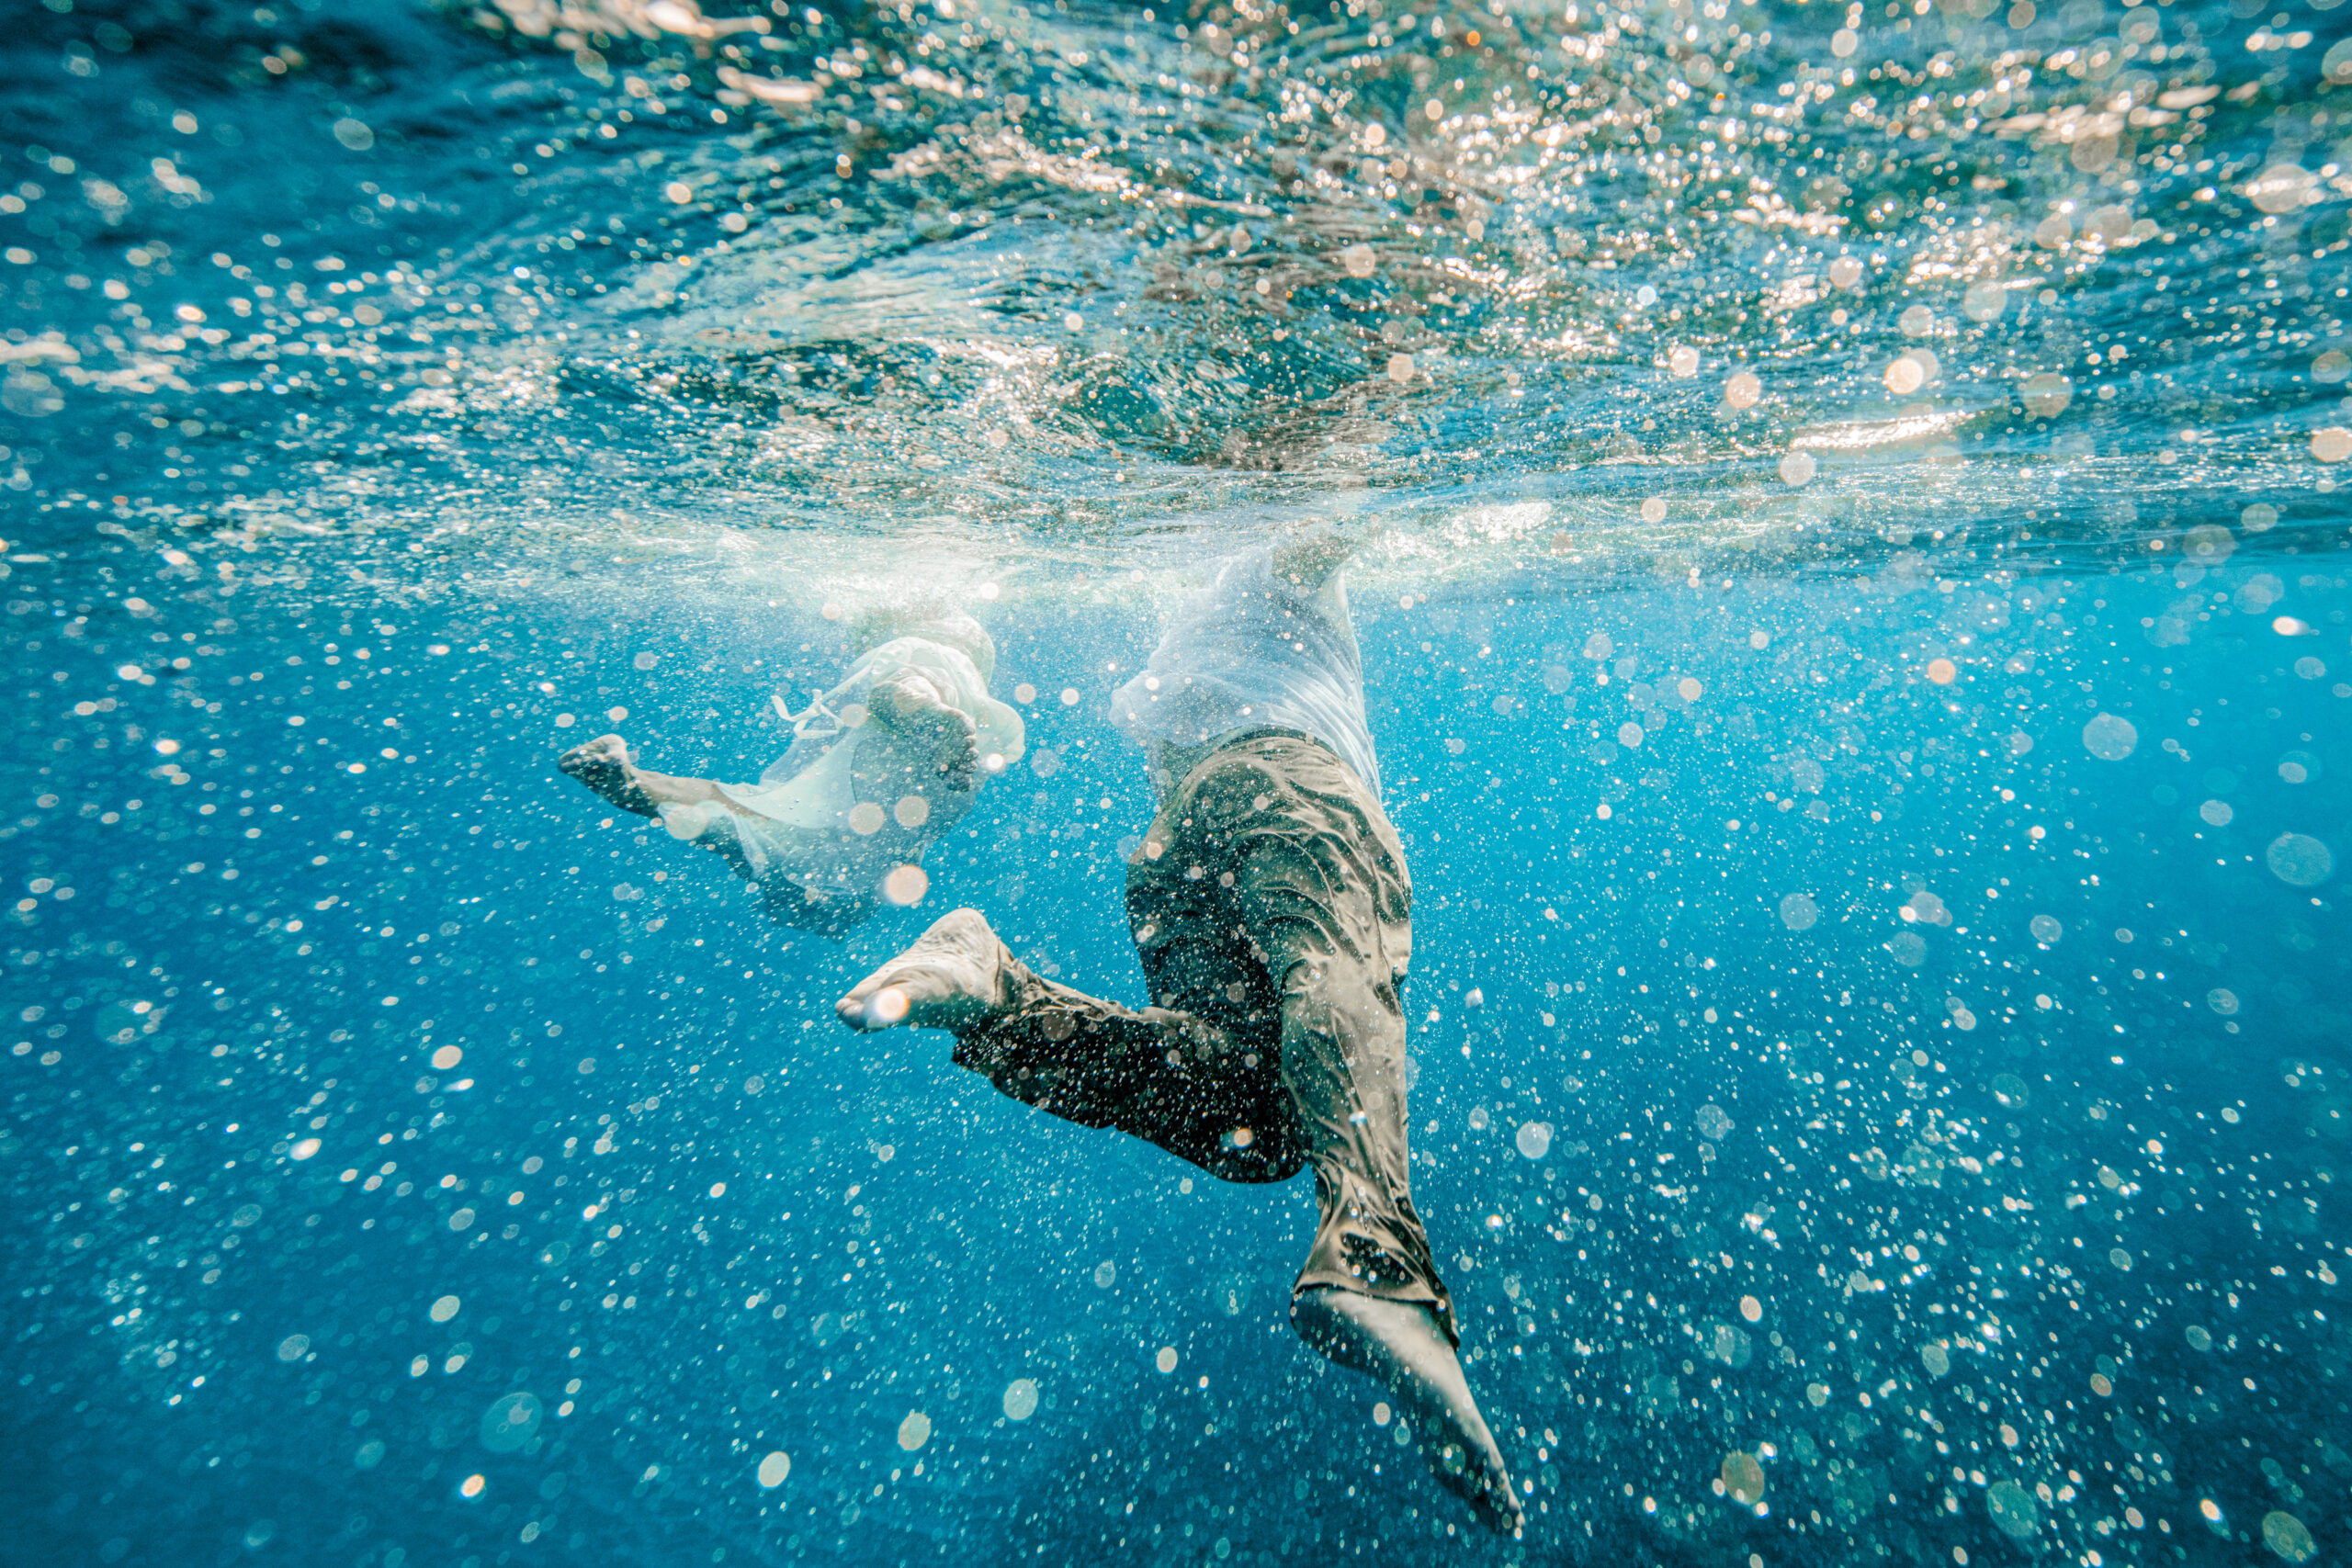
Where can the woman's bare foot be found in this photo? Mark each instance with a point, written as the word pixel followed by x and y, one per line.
pixel 1399 1346
pixel 956 974
pixel 605 765
pixel 929 740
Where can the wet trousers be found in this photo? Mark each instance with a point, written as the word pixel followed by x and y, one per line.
pixel 1271 911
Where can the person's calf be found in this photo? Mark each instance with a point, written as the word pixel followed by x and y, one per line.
pixel 605 766
pixel 1399 1346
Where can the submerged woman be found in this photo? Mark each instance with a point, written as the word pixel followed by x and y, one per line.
pixel 880 767
pixel 1272 910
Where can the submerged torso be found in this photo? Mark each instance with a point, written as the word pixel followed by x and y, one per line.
pixel 1251 652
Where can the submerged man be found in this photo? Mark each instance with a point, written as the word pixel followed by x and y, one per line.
pixel 1271 911
pixel 880 767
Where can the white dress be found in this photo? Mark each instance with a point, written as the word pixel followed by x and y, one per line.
pixel 806 804
pixel 1252 651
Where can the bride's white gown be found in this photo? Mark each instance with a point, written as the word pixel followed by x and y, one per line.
pixel 818 820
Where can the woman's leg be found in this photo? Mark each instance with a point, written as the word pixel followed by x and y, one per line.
pixel 915 760
pixel 804 880
pixel 605 766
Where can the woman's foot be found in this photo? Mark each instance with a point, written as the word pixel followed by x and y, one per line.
pixel 955 975
pixel 1400 1347
pixel 819 881
pixel 928 739
pixel 605 765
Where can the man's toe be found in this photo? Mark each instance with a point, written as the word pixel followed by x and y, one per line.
pixel 879 1008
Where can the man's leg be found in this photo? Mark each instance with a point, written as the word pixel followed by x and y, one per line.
pixel 1320 888
pixel 1364 1298
pixel 1238 881
pixel 1205 1085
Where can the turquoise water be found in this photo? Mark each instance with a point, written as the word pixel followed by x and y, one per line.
pixel 1854 605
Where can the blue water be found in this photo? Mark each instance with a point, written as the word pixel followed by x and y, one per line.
pixel 1854 603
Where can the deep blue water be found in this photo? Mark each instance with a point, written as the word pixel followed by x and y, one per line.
pixel 1879 998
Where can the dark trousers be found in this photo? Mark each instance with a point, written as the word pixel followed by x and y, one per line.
pixel 1271 911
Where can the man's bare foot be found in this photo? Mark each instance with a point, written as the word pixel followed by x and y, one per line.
pixel 1399 1346
pixel 956 974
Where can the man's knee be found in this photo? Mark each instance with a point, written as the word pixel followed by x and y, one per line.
pixel 1341 994
pixel 1249 1156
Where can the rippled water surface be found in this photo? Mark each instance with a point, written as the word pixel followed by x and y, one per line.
pixel 1853 585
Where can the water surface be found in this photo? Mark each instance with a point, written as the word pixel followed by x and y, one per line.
pixel 1854 607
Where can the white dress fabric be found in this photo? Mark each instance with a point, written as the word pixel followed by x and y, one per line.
pixel 809 787
pixel 1253 651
